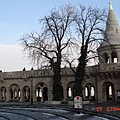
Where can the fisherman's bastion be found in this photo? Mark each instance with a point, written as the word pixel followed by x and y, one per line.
pixel 101 81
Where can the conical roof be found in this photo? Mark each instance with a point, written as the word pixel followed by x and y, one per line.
pixel 112 31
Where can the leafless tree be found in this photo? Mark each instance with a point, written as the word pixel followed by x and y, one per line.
pixel 49 45
pixel 90 26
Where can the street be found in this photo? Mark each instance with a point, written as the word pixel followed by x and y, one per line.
pixel 13 113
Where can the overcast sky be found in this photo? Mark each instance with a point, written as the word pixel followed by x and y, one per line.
pixel 21 16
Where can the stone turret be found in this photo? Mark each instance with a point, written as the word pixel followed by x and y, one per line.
pixel 112 32
pixel 109 50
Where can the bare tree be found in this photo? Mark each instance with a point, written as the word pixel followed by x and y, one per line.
pixel 49 45
pixel 90 25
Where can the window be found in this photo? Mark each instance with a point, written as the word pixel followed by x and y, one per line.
pixel 106 58
pixel 114 57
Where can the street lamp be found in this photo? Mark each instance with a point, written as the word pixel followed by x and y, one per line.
pixel 31 91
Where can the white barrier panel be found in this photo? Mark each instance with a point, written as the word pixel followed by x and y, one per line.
pixel 77 102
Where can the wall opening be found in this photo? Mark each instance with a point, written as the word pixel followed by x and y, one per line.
pixel 90 91
pixel 70 90
pixel 15 92
pixel 86 92
pixel 41 92
pixel 26 94
pixel 108 91
pixel 106 58
pixel 3 93
pixel 114 57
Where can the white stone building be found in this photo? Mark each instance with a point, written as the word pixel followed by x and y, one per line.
pixel 101 81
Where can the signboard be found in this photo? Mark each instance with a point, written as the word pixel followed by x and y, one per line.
pixel 77 102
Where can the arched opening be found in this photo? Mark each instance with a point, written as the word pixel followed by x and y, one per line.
pixel 26 94
pixel 106 58
pixel 114 57
pixel 38 93
pixel 3 93
pixel 41 92
pixel 70 90
pixel 45 97
pixel 14 92
pixel 86 92
pixel 89 91
pixel 92 93
pixel 108 91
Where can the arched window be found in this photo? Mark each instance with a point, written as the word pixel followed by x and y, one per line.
pixel 26 93
pixel 86 92
pixel 69 92
pixel 114 57
pixel 110 90
pixel 15 92
pixel 41 92
pixel 38 92
pixel 92 91
pixel 19 93
pixel 3 93
pixel 106 58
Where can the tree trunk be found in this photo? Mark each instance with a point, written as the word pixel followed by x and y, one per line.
pixel 57 87
pixel 80 73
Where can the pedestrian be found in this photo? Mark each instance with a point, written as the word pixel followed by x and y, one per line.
pixel 118 95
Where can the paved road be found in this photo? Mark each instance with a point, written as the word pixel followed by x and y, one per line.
pixel 42 111
pixel 12 113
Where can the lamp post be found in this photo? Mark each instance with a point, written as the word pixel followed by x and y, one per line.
pixel 31 91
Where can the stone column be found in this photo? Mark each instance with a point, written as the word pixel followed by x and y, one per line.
pixel 42 94
pixel 65 92
pixel 21 95
pixel 34 94
pixel 27 93
pixel 101 94
pixel 83 92
pixel 110 59
pixel 8 95
pixel 17 94
pixel 89 92
pixel 118 59
pixel 13 94
pixel 50 94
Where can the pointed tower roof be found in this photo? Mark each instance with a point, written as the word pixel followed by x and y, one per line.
pixel 112 31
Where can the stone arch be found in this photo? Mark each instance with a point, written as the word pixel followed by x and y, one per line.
pixel 3 93
pixel 114 57
pixel 41 92
pixel 108 91
pixel 14 92
pixel 89 91
pixel 26 93
pixel 106 58
pixel 70 89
